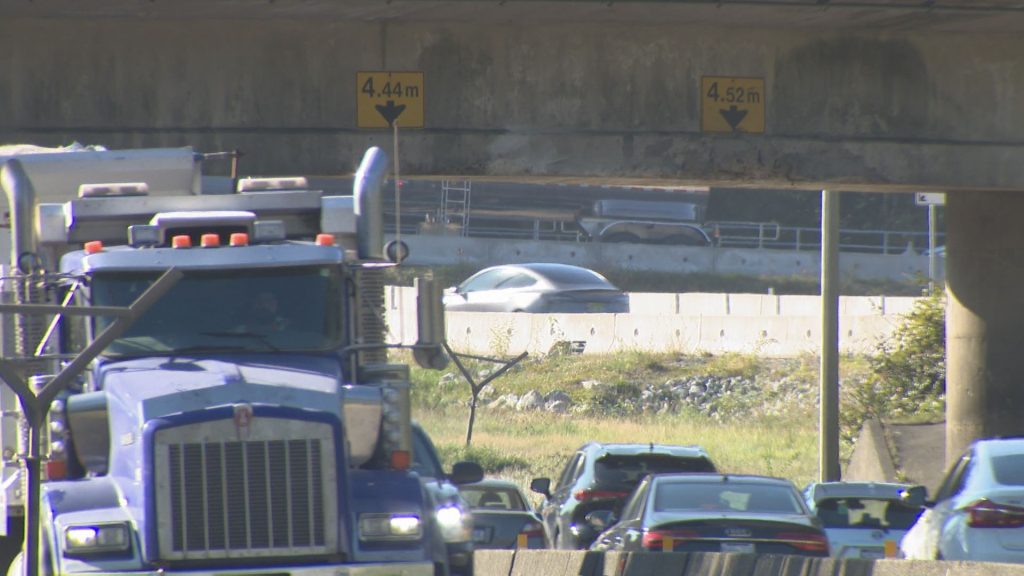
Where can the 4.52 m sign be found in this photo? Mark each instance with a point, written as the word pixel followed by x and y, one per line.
pixel 732 104
pixel 384 99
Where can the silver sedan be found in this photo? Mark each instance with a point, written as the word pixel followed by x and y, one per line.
pixel 536 287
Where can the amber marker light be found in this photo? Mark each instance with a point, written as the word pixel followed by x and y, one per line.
pixel 401 460
pixel 239 239
pixel 181 242
pixel 325 239
pixel 209 240
pixel 93 246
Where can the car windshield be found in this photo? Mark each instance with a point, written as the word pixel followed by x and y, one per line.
pixel 277 309
pixel 729 496
pixel 624 472
pixel 492 498
pixel 866 513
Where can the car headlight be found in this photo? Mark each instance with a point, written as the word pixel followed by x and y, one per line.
pixel 389 527
pixel 97 539
pixel 455 524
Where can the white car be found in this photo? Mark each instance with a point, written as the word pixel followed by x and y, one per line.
pixel 865 519
pixel 978 512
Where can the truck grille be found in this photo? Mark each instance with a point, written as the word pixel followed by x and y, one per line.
pixel 250 497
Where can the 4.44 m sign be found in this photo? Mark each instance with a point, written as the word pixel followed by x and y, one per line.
pixel 731 104
pixel 384 99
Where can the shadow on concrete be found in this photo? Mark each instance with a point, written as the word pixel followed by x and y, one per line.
pixel 899 453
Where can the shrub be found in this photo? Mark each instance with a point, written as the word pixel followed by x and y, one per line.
pixel 908 371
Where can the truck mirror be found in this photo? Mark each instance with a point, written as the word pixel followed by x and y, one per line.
pixel 429 351
pixel 396 251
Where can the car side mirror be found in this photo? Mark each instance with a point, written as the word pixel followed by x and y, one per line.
pixel 466 473
pixel 600 519
pixel 541 486
pixel 916 497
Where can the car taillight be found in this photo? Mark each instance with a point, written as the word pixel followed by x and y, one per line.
pixel 532 529
pixel 985 513
pixel 665 540
pixel 806 541
pixel 529 530
pixel 584 495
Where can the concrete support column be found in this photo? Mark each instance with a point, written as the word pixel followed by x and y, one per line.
pixel 984 317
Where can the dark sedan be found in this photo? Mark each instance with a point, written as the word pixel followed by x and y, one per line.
pixel 714 513
pixel 502 517
pixel 536 287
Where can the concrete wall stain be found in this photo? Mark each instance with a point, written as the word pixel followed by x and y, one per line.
pixel 853 86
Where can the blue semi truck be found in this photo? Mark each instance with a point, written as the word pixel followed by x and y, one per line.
pixel 249 421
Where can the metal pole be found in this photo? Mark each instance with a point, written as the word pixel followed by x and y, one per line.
pixel 398 196
pixel 33 477
pixel 931 249
pixel 829 377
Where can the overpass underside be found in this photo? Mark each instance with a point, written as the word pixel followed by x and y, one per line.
pixel 847 95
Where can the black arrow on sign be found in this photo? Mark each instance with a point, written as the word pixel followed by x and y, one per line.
pixel 391 112
pixel 733 116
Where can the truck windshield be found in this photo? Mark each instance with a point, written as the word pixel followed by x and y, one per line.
pixel 294 309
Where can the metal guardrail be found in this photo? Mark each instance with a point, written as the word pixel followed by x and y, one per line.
pixel 767 235
pixel 773 236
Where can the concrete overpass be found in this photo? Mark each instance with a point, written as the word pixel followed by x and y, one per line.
pixel 883 95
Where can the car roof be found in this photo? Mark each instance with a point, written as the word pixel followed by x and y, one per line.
pixel 999 446
pixel 634 449
pixel 548 270
pixel 877 490
pixel 706 477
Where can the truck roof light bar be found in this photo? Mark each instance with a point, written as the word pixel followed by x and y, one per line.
pixel 181 241
pixel 239 239
pixel 113 189
pixel 209 241
pixel 143 235
pixel 268 231
pixel 272 184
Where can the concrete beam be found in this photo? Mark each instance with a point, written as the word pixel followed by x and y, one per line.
pixel 844 109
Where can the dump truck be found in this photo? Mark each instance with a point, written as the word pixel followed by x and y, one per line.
pixel 200 382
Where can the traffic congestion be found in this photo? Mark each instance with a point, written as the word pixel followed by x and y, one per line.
pixel 662 498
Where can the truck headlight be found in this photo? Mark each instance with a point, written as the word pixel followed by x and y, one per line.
pixel 455 524
pixel 389 527
pixel 97 539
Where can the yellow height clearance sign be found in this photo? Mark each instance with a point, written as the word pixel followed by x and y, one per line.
pixel 732 104
pixel 384 99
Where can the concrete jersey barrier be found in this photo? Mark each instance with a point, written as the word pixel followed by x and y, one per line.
pixel 765 325
pixel 586 563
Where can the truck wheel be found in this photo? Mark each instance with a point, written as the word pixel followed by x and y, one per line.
pixel 621 237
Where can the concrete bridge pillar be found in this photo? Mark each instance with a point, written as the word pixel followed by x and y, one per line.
pixel 984 318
